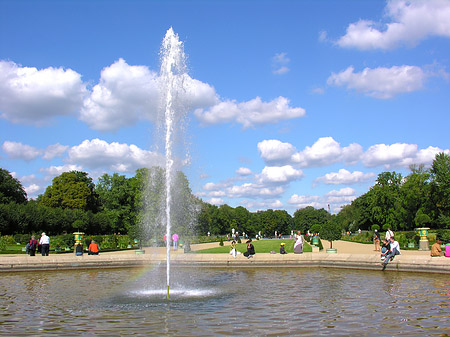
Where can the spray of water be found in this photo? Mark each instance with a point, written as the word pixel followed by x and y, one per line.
pixel 172 77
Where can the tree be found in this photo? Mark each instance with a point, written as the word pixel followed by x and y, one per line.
pixel 11 190
pixel 331 231
pixel 306 217
pixel 74 190
pixel 440 180
pixel 117 200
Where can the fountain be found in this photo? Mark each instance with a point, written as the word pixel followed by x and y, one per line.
pixel 172 78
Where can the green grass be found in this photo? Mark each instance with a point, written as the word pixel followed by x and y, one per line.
pixel 261 246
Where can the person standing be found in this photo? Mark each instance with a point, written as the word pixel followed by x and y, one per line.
pixel 175 241
pixel 389 234
pixel 298 246
pixel 376 240
pixel 45 244
pixel 32 246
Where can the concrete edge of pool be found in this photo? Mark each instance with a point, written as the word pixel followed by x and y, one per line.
pixel 404 263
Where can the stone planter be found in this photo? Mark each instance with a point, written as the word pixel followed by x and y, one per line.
pixel 331 251
pixel 139 251
pixel 411 245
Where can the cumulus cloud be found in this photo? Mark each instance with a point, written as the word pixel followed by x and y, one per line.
pixel 54 171
pixel 32 96
pixel 262 205
pixel 326 151
pixel 244 171
pixel 345 177
pixel 251 113
pixel 113 156
pixel 380 82
pixel 280 64
pixel 302 201
pixel 275 151
pixel 127 93
pixel 279 174
pixel 53 151
pixel 16 150
pixel 254 190
pixel 399 155
pixel 408 23
pixel 216 201
pixel 342 196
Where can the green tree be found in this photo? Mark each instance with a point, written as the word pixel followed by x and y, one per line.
pixel 117 201
pixel 440 181
pixel 11 190
pixel 74 190
pixel 331 231
pixel 306 217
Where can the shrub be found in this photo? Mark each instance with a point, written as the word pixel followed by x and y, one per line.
pixel 315 228
pixel 377 227
pixel 221 242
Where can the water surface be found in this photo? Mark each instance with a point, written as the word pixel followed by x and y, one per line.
pixel 224 302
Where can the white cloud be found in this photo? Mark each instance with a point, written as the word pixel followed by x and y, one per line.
pixel 16 150
pixel 273 151
pixel 326 151
pixel 126 94
pixel 55 150
pixel 380 82
pixel 399 155
pixel 279 174
pixel 33 189
pixel 32 96
pixel 254 190
pixel 262 205
pixel 54 171
pixel 280 64
pixel 345 177
pixel 411 22
pixel 114 156
pixel 244 171
pixel 251 113
pixel 342 196
pixel 302 201
pixel 216 201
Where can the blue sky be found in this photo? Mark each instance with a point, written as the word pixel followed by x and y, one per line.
pixel 295 103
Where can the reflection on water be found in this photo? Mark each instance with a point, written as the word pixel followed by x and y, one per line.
pixel 224 302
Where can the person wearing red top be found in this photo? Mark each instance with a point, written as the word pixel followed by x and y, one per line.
pixel 33 246
pixel 93 248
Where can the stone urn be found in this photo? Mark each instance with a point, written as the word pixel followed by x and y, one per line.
pixel 423 243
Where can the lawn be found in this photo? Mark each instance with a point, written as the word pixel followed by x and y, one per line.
pixel 261 246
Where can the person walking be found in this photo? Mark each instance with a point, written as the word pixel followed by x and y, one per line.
pixel 376 240
pixel 298 246
pixel 45 244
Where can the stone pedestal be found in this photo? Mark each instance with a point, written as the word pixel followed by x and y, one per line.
pixel 424 245
pixel 315 249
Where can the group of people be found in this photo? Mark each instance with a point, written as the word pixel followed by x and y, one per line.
pixel 436 249
pixel 175 239
pixel 389 249
pixel 298 247
pixel 43 246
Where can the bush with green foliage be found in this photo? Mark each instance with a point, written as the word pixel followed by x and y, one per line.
pixel 375 227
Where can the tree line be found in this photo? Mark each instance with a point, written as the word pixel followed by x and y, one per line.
pixel 116 204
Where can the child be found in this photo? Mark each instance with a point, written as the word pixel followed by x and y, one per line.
pixel 282 250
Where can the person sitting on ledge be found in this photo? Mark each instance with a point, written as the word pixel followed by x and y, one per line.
pixel 93 248
pixel 250 249
pixel 394 250
pixel 436 249
pixel 282 250
pixel 78 249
